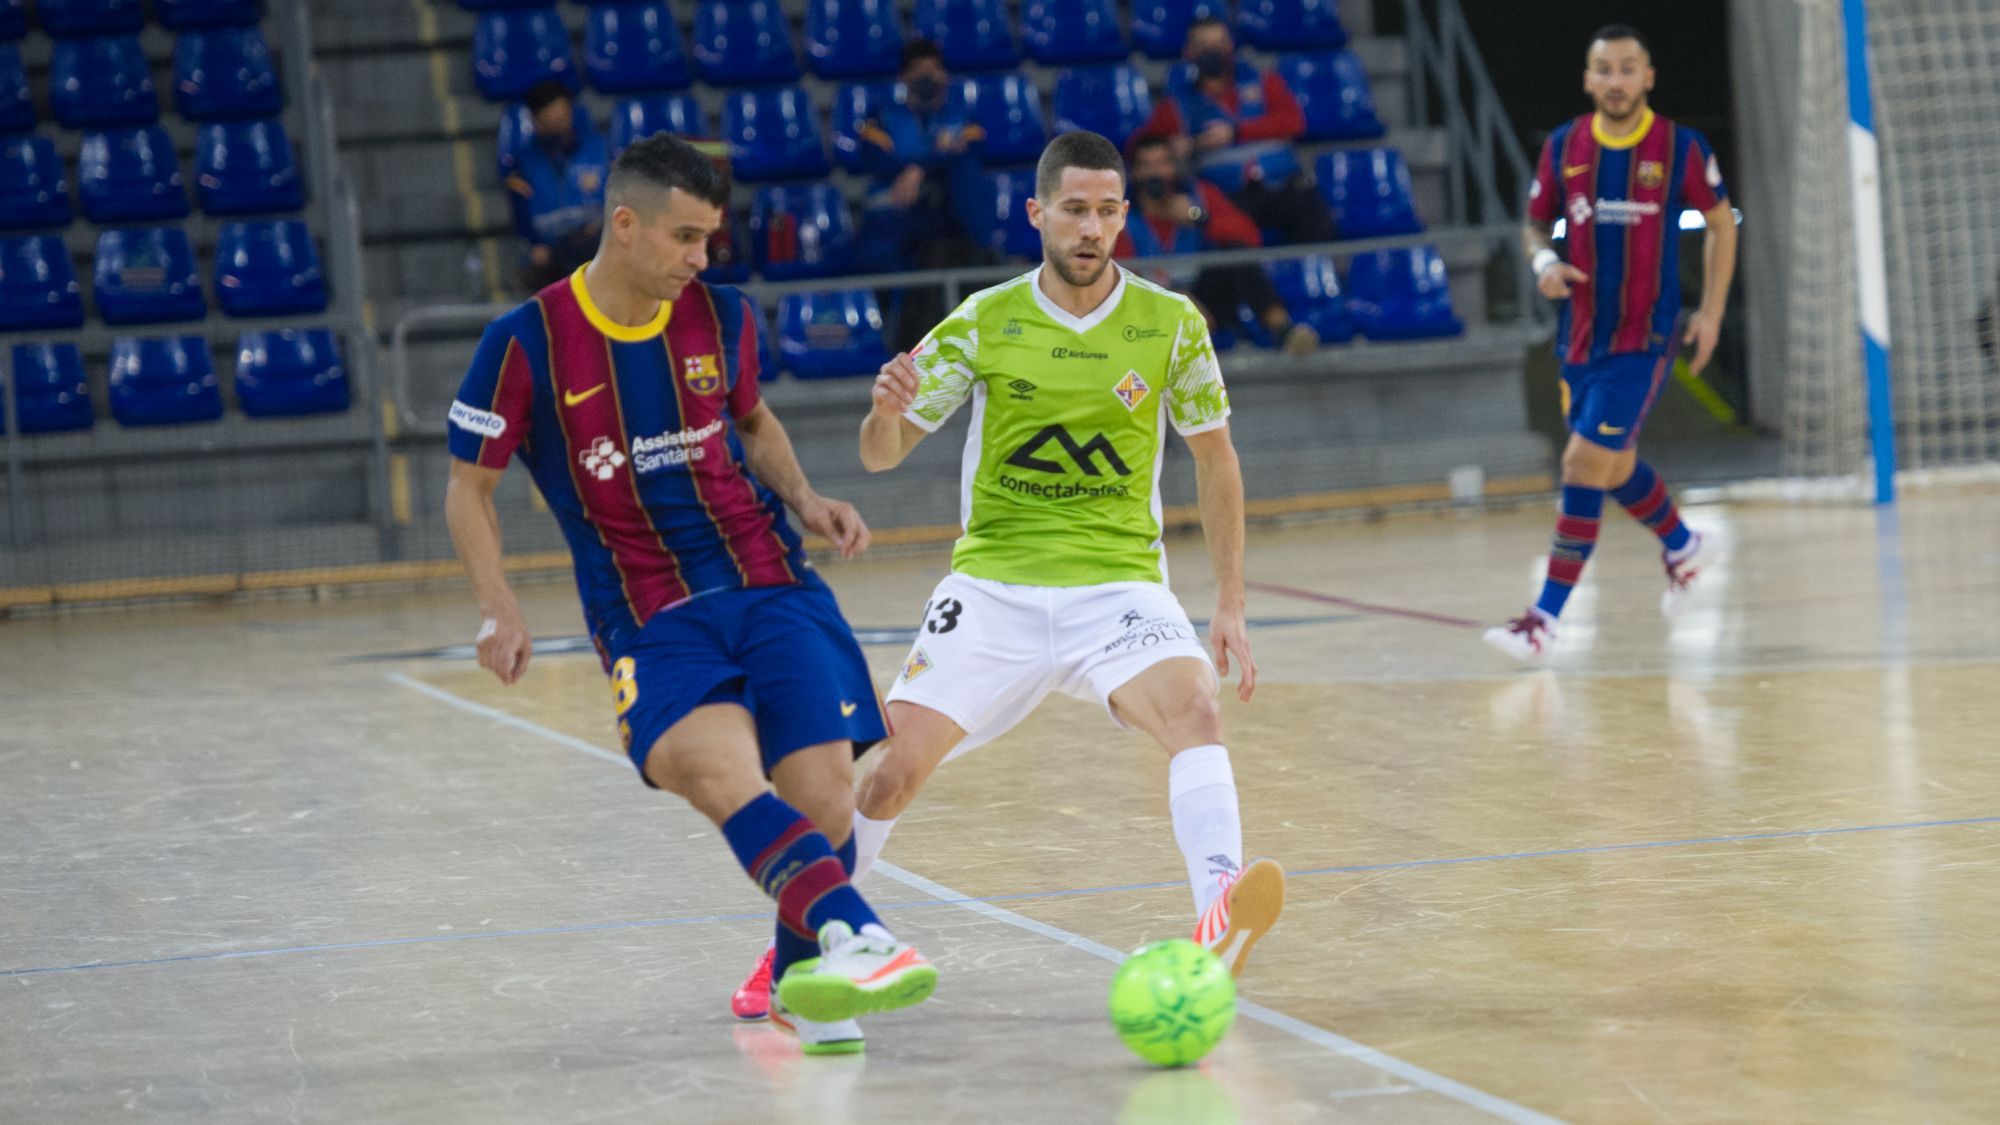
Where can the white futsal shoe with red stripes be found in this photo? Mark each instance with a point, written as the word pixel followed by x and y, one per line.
pixel 1682 572
pixel 1243 913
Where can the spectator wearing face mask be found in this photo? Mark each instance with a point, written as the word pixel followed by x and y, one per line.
pixel 920 152
pixel 556 187
pixel 1174 213
pixel 1238 124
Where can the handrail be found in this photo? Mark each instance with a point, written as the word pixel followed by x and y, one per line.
pixel 952 281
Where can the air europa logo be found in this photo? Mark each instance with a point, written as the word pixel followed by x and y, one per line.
pixel 1076 353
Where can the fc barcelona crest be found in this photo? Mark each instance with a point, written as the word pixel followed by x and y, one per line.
pixel 702 374
pixel 1651 173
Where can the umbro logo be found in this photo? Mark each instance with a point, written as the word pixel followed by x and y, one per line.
pixel 1023 390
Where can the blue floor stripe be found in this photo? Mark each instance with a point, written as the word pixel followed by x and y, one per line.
pixel 696 920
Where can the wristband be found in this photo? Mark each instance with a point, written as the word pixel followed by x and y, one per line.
pixel 1543 259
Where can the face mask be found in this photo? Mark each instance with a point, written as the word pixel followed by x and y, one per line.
pixel 1154 187
pixel 926 90
pixel 1212 64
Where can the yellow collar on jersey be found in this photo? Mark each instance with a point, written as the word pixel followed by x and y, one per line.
pixel 1629 139
pixel 623 333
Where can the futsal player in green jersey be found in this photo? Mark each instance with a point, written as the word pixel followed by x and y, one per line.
pixel 1074 372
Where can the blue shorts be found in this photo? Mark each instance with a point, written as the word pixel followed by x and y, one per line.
pixel 1606 401
pixel 783 653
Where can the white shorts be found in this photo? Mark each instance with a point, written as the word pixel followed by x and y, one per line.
pixel 988 652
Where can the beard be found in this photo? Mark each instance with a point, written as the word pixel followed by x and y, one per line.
pixel 1632 107
pixel 1060 264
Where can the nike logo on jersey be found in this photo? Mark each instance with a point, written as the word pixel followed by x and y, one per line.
pixel 1575 169
pixel 1609 430
pixel 571 398
pixel 847 710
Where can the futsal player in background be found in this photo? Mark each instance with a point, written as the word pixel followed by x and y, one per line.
pixel 1620 177
pixel 629 392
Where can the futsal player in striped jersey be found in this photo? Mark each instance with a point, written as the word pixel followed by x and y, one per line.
pixel 629 392
pixel 1619 177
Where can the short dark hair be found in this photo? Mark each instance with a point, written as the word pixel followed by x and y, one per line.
pixel 1614 31
pixel 663 162
pixel 1079 149
pixel 917 50
pixel 1144 141
pixel 546 93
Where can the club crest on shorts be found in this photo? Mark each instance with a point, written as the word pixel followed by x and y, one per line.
pixel 1131 390
pixel 1652 173
pixel 916 665
pixel 702 374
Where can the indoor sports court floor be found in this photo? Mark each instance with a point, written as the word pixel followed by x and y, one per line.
pixel 1740 867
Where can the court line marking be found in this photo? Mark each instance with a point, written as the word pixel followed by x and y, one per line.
pixel 1365 607
pixel 1312 1033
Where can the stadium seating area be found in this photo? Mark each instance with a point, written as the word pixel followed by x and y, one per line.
pixel 787 96
pixel 144 254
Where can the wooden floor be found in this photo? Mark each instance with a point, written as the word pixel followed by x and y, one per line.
pixel 1737 867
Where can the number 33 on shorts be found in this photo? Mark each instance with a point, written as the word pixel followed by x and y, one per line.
pixel 625 692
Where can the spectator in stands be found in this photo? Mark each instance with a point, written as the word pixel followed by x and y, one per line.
pixel 1238 126
pixel 557 189
pixel 1178 214
pixel 921 154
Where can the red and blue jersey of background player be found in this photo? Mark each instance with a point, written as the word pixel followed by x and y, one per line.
pixel 630 434
pixel 1622 197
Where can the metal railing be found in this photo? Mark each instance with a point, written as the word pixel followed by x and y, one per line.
pixel 955 284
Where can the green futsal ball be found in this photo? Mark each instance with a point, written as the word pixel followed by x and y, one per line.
pixel 1172 1001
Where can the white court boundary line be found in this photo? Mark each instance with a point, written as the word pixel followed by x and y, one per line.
pixel 1339 1044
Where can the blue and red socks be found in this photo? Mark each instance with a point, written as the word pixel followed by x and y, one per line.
pixel 795 865
pixel 1644 496
pixel 1577 521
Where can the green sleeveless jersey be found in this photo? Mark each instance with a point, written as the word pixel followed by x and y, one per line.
pixel 1061 479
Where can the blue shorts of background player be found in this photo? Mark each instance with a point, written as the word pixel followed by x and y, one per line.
pixel 1606 400
pixel 783 653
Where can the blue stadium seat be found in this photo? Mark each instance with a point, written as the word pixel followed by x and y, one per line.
pixel 179 15
pixel 513 49
pixel 973 34
pixel 853 104
pixel 497 5
pixel 1369 191
pixel 102 81
pixel 163 382
pixel 635 119
pixel 223 73
pixel 1401 295
pixel 79 18
pixel 1011 233
pixel 743 42
pixel 13 19
pixel 517 131
pixel 50 392
pixel 38 286
pixel 1290 25
pixel 288 372
pixel 267 268
pixel 146 275
pixel 1111 100
pixel 1311 290
pixel 1332 91
pixel 801 231
pixel 1009 109
pixel 831 335
pixel 853 38
pixel 1068 32
pixel 34 192
pixel 246 168
pixel 773 134
pixel 1159 27
pixel 729 257
pixel 634 47
pixel 130 175
pixel 17 102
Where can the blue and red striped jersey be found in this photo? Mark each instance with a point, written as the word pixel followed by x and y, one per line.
pixel 630 434
pixel 1622 198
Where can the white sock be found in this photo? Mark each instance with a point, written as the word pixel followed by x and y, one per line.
pixel 869 836
pixel 1201 792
